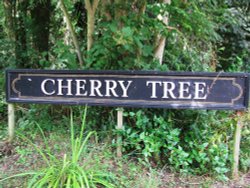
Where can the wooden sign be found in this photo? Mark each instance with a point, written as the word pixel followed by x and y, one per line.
pixel 185 90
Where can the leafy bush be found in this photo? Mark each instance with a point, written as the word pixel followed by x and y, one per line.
pixel 194 142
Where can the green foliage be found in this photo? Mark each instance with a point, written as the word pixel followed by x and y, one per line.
pixel 195 144
pixel 6 54
pixel 122 48
pixel 190 44
pixel 64 57
pixel 234 28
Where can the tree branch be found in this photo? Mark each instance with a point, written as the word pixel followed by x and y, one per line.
pixel 73 34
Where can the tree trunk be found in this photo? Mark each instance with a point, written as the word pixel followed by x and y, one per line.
pixel 15 29
pixel 9 11
pixel 161 40
pixel 40 15
pixel 91 29
pixel 91 9
pixel 21 35
pixel 66 38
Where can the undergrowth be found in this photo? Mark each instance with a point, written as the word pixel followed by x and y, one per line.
pixel 70 170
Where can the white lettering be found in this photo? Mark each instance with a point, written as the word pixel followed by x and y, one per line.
pixel 184 88
pixel 168 88
pixel 200 90
pixel 95 86
pixel 153 83
pixel 124 88
pixel 80 86
pixel 61 86
pixel 43 86
pixel 110 88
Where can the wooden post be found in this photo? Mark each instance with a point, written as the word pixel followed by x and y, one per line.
pixel 119 127
pixel 236 149
pixel 11 121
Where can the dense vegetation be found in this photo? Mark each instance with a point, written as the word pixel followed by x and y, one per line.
pixel 195 35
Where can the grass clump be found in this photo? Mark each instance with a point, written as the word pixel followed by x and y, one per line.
pixel 70 170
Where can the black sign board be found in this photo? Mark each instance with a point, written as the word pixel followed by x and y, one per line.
pixel 187 90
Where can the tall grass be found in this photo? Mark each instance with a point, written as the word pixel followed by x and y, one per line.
pixel 68 171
